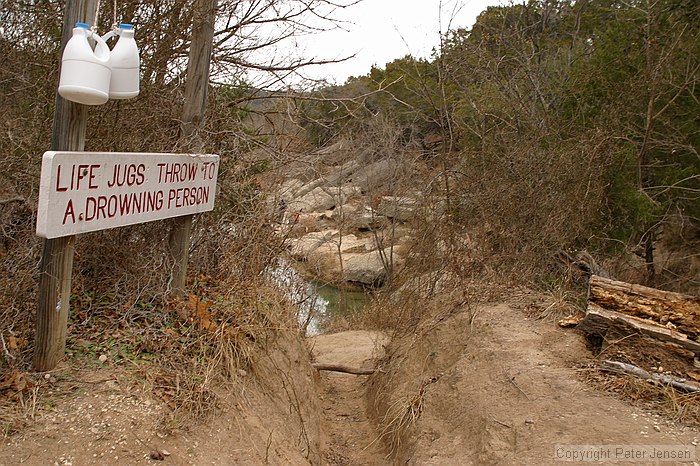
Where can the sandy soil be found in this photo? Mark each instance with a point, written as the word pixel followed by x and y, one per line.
pixel 491 386
pixel 498 387
pixel 110 417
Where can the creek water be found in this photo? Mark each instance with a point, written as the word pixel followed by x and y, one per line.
pixel 315 301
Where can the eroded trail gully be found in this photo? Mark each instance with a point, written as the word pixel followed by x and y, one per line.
pixel 347 437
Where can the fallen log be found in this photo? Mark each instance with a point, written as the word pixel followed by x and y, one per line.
pixel 598 320
pixel 341 368
pixel 663 307
pixel 676 382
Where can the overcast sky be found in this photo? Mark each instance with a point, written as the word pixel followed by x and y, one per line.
pixel 379 31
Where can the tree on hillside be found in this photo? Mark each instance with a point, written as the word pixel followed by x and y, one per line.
pixel 640 84
pixel 575 125
pixel 604 73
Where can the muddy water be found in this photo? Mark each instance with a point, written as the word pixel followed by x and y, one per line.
pixel 316 301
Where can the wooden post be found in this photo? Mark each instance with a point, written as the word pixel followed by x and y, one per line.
pixel 196 89
pixel 56 265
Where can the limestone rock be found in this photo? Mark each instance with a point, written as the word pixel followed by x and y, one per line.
pixel 302 248
pixel 366 268
pixel 322 198
pixel 288 190
pixel 399 208
pixel 359 217
pixel 371 177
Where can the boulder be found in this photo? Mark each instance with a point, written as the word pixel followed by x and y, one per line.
pixel 308 187
pixel 342 174
pixel 327 251
pixel 321 198
pixel 399 208
pixel 353 244
pixel 289 189
pixel 361 261
pixel 367 268
pixel 315 200
pixel 333 154
pixel 302 248
pixel 358 217
pixel 371 177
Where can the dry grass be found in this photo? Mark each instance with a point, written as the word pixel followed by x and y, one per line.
pixel 396 392
pixel 121 302
pixel 399 418
pixel 183 350
pixel 561 303
pixel 665 400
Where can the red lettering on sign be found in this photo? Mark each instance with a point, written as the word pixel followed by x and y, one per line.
pixel 127 175
pixel 185 197
pixel 92 177
pixel 177 172
pixel 101 206
pixel 78 173
pixel 58 181
pixel 69 211
pixel 112 206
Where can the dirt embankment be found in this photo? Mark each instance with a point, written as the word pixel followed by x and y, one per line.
pixel 479 385
pixel 111 415
pixel 492 385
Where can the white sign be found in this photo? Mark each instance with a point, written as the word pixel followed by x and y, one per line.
pixel 90 191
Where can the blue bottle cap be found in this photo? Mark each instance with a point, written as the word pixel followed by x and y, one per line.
pixel 126 26
pixel 82 25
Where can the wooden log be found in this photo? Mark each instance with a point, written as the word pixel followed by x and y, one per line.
pixel 683 311
pixel 598 320
pixel 676 382
pixel 342 368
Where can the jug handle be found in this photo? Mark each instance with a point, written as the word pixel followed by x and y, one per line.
pixel 101 47
pixel 114 32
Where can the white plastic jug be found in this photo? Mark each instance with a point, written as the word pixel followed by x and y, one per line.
pixel 85 74
pixel 125 64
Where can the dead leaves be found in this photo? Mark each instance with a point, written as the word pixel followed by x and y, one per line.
pixel 16 344
pixel 10 345
pixel 201 314
pixel 206 318
pixel 14 383
pixel 196 311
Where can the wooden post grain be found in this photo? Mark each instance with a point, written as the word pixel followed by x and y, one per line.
pixel 56 265
pixel 195 105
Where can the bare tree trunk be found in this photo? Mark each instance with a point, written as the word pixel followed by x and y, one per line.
pixel 196 89
pixel 649 256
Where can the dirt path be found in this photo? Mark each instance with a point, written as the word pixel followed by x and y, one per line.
pixel 509 393
pixel 495 387
pixel 346 432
